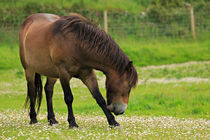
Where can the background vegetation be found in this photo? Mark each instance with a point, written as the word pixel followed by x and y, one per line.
pixel 141 18
pixel 161 28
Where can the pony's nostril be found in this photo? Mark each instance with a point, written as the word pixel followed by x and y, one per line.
pixel 121 113
pixel 116 113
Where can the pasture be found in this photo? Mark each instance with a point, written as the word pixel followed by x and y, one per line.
pixel 170 102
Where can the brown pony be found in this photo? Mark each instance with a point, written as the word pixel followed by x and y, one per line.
pixel 67 47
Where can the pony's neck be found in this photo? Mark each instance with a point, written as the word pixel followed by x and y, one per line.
pixel 107 69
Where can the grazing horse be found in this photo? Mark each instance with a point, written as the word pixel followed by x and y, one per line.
pixel 70 46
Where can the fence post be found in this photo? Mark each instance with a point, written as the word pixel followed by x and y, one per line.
pixel 105 22
pixel 192 22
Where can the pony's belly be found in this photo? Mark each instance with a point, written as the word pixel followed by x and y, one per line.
pixel 49 72
pixel 42 65
pixel 46 70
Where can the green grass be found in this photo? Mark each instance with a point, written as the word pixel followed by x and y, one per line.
pixel 141 52
pixel 9 57
pixel 155 111
pixel 199 70
pixel 165 51
pixel 178 100
pixel 190 100
pixel 14 125
pixel 147 99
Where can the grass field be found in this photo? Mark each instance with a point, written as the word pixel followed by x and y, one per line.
pixel 155 111
pixel 179 99
pixel 170 102
pixel 14 125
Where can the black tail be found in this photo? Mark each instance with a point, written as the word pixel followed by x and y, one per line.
pixel 38 92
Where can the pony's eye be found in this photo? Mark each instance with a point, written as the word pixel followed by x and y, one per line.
pixel 129 91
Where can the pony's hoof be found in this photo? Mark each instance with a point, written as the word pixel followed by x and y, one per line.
pixel 52 121
pixel 33 121
pixel 114 124
pixel 73 125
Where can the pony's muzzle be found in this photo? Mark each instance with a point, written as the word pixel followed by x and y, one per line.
pixel 117 108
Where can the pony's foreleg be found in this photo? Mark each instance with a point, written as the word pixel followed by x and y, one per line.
pixel 68 97
pixel 89 79
pixel 49 93
pixel 30 76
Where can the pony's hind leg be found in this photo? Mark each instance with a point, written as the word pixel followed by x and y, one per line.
pixel 49 93
pixel 31 95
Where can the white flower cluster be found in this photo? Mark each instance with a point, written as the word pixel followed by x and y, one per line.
pixel 15 125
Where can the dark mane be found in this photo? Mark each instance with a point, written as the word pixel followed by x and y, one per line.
pixel 98 42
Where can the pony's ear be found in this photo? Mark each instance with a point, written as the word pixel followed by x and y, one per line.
pixel 129 66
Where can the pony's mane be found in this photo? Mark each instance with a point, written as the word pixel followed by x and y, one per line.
pixel 98 42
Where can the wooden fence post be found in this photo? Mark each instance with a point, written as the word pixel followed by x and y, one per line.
pixel 105 22
pixel 192 22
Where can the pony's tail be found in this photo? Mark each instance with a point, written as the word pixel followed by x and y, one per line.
pixel 38 93
pixel 38 90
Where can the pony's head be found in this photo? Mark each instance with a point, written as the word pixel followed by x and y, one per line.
pixel 118 88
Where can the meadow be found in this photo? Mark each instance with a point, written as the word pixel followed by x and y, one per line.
pixel 170 102
pixel 170 110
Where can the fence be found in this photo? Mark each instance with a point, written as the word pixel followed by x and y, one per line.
pixel 123 24
pixel 141 26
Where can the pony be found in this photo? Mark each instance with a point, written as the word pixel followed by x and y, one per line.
pixel 66 47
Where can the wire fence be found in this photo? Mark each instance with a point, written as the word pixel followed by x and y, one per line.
pixel 124 24
pixel 176 26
